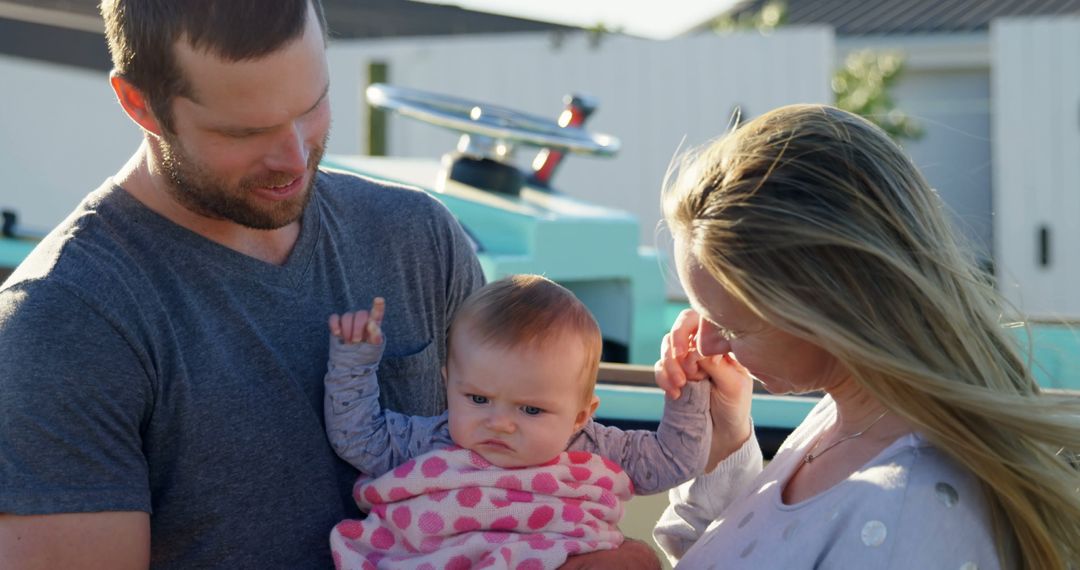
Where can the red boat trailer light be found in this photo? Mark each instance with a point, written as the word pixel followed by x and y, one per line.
pixel 578 109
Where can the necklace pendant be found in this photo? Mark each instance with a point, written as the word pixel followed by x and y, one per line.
pixel 809 458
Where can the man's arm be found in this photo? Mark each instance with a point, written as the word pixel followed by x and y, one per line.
pixel 73 394
pixel 115 540
pixel 630 555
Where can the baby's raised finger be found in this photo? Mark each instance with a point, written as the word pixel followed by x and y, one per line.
pixel 378 308
pixel 685 327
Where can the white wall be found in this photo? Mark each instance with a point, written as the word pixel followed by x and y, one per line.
pixel 953 107
pixel 653 95
pixel 945 86
pixel 61 134
pixel 1036 132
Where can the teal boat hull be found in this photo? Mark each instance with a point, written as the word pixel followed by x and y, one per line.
pixel 639 407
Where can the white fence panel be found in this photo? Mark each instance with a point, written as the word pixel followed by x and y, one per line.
pixel 653 95
pixel 1036 133
pixel 61 134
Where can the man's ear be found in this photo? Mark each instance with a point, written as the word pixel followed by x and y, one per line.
pixel 444 374
pixel 586 414
pixel 135 104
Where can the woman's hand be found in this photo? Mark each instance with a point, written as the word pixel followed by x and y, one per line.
pixel 729 405
pixel 732 387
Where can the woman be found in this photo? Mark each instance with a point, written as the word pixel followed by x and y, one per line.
pixel 816 257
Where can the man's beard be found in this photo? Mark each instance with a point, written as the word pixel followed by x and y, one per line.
pixel 196 189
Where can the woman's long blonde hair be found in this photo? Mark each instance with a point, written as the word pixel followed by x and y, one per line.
pixel 819 223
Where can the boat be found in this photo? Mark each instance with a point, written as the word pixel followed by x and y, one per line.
pixel 521 222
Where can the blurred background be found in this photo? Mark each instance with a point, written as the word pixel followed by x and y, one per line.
pixel 983 94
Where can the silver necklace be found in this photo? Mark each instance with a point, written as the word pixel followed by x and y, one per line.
pixel 811 456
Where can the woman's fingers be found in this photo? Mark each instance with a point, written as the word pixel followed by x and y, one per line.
pixel 727 375
pixel 732 390
pixel 729 405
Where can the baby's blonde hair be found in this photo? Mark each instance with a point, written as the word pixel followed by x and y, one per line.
pixel 529 311
pixel 822 226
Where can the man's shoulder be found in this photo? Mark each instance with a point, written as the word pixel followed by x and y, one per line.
pixel 87 252
pixel 374 211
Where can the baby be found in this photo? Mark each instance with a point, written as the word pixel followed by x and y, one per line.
pixel 515 471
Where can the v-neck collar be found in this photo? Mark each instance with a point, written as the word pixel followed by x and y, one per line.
pixel 289 274
pixel 789 463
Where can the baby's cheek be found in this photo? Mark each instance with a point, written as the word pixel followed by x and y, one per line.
pixel 458 432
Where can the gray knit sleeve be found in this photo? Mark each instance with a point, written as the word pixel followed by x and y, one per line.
pixel 372 439
pixel 658 460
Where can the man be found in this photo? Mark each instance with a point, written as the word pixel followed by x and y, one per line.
pixel 163 349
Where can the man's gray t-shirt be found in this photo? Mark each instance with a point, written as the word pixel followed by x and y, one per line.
pixel 144 367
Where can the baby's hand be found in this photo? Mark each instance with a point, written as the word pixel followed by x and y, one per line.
pixel 679 358
pixel 360 326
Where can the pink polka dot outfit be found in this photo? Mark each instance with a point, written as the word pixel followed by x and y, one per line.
pixel 451 509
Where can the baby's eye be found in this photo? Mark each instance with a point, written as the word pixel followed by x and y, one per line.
pixel 478 399
pixel 532 410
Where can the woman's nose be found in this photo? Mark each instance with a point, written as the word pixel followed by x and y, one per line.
pixel 711 341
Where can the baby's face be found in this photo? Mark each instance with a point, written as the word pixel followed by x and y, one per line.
pixel 516 407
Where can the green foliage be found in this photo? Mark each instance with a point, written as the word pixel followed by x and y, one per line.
pixel 862 85
pixel 771 16
pixel 598 31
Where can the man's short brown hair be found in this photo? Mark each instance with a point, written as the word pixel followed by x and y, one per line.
pixel 142 35
pixel 528 311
